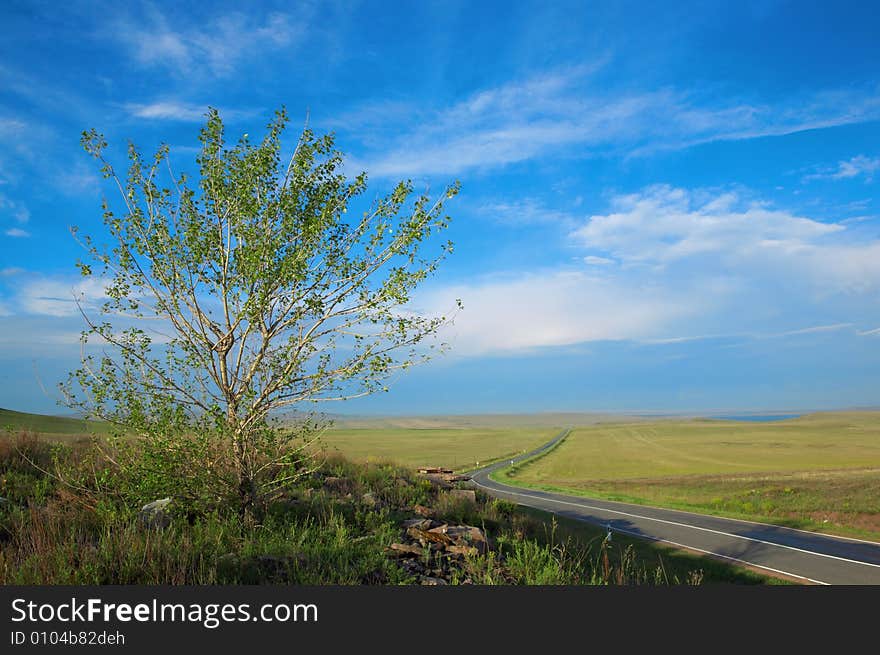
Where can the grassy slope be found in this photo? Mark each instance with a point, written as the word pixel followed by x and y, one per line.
pixel 819 472
pixel 458 448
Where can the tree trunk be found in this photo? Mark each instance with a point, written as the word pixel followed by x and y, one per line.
pixel 247 492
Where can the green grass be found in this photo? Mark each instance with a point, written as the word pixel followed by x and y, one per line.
pixel 818 472
pixel 322 532
pixel 435 443
pixel 50 426
pixel 458 448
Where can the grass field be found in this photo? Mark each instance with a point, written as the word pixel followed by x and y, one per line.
pixel 458 448
pixel 459 442
pixel 818 472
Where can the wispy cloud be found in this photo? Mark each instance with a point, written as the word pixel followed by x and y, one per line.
pixel 17 233
pixel 16 210
pixel 10 127
pixel 527 211
pixel 858 166
pixel 216 45
pixel 565 111
pixel 835 327
pixel 57 296
pixel 25 143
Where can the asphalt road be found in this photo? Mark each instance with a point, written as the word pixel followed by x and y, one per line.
pixel 808 556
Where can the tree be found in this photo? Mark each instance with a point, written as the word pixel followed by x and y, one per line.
pixel 266 294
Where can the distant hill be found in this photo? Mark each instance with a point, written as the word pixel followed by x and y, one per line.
pixel 54 425
pixel 451 421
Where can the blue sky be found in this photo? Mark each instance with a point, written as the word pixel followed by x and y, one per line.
pixel 665 206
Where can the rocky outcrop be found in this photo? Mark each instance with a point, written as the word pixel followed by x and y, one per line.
pixel 433 551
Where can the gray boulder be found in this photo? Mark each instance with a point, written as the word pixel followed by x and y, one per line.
pixel 155 514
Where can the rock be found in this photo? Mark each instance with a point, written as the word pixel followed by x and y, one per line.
pixel 461 550
pixel 438 481
pixel 467 532
pixel 421 510
pixel 336 485
pixel 270 562
pixel 429 581
pixel 465 494
pixel 228 565
pixel 155 514
pixel 423 524
pixel 405 550
pixel 428 536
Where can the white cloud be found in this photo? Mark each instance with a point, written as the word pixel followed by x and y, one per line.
pixel 858 166
pixel 58 296
pixel 662 224
pixel 168 110
pixel 564 112
pixel 593 260
pixel 10 271
pixel 554 308
pixel 216 45
pixel 16 233
pixel 687 263
pixel 180 111
pixel 722 234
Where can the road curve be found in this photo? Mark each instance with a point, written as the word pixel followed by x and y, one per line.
pixel 809 556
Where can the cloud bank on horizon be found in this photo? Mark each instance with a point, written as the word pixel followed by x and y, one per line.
pixel 682 194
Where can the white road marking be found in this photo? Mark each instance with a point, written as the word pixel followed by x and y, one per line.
pixel 727 557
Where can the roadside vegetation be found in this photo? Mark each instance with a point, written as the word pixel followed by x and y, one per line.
pixel 819 472
pixel 69 516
